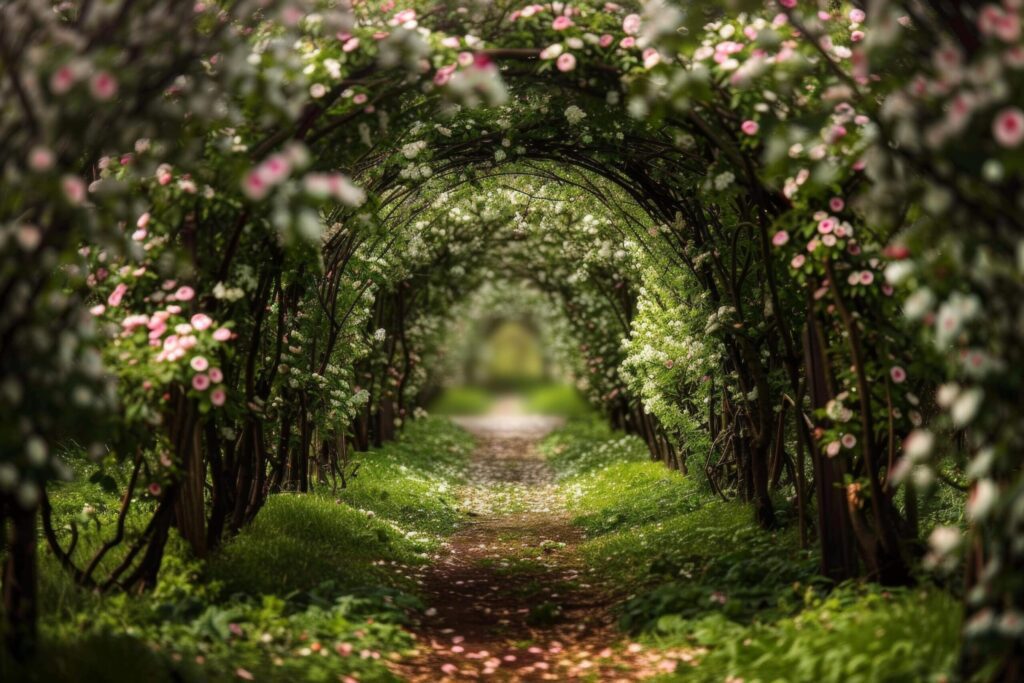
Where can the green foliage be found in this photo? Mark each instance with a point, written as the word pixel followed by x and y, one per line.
pixel 391 511
pixel 314 590
pixel 582 446
pixel 856 633
pixel 749 602
pixel 558 399
pixel 462 401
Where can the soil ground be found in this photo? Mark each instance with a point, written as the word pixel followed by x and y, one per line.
pixel 508 597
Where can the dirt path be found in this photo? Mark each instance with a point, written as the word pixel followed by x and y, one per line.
pixel 508 597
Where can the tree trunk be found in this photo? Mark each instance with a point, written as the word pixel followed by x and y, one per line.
pixel 21 582
pixel 189 505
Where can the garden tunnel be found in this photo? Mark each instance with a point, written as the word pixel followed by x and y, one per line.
pixel 236 234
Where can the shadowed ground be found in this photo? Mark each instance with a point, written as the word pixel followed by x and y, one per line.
pixel 508 599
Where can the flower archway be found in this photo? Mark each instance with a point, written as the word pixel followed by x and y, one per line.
pixel 788 254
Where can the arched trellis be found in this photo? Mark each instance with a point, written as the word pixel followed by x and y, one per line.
pixel 811 328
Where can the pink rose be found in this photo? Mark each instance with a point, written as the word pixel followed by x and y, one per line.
pixel 201 321
pixel 115 297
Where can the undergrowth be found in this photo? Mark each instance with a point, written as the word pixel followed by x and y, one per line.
pixel 462 401
pixel 563 400
pixel 315 590
pixel 701 574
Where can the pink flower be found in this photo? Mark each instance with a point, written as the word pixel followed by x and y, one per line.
pixel 350 45
pixel 143 221
pixel 62 80
pixel 631 24
pixel 184 293
pixel 849 440
pixel 896 252
pixel 780 238
pixel 253 185
pixel 898 374
pixel 103 86
pixel 164 175
pixel 1008 127
pixel 606 40
pixel 222 334
pixel 114 300
pixel 857 16
pixel 154 489
pixel 627 42
pixel 443 75
pixel 201 321
pixel 199 363
pixel 836 204
pixel 561 23
pixel 40 159
pixel 274 169
pixel 651 58
pixel 866 277
pixel 832 449
pixel 200 382
pixel 566 62
pixel 74 189
pixel 750 127
pixel 98 309
pixel 798 261
pixel 218 396
pixel 826 225
pixel 216 375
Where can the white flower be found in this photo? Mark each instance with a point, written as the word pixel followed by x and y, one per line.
pixel 944 540
pixel 966 406
pixel 574 115
pixel 983 498
pixel 898 271
pixel 724 180
pixel 918 445
pixel 946 394
pixel 411 150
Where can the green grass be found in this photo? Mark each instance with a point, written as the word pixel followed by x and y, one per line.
pixel 557 399
pixel 702 575
pixel 393 511
pixel 859 634
pixel 462 401
pixel 314 573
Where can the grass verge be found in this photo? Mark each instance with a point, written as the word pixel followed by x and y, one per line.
pixel 750 602
pixel 316 589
